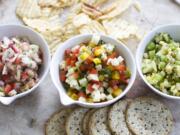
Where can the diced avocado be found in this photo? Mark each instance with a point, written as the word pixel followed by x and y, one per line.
pixel 166 37
pixel 151 46
pixel 152 54
pixel 169 69
pixel 148 66
pixel 161 64
pixel 155 78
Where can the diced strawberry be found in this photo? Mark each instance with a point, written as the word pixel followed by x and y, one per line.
pixel 0 57
pixel 5 78
pixel 24 75
pixel 1 66
pixel 17 61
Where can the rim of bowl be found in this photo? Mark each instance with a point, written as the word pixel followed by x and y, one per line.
pixel 126 90
pixel 142 44
pixel 46 70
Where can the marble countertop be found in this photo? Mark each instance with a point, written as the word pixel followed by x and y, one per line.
pixel 27 115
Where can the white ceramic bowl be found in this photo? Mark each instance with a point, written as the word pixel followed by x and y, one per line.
pixel 34 37
pixel 59 56
pixel 174 31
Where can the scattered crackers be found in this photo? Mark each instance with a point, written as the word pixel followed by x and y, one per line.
pixel 84 16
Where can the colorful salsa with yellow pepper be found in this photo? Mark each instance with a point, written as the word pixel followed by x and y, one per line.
pixel 94 71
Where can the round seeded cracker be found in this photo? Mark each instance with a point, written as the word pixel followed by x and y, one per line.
pixel 116 118
pixel 98 122
pixel 74 122
pixel 148 116
pixel 56 123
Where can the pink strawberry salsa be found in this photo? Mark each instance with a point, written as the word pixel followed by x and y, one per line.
pixel 93 71
pixel 20 62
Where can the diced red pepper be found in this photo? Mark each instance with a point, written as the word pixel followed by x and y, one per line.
pixel 7 88
pixel 123 78
pixel 76 51
pixel 93 71
pixel 98 83
pixel 68 61
pixel 113 55
pixel 72 62
pixel 121 67
pixel 113 83
pixel 82 67
pixel 67 52
pixel 13 85
pixel 89 88
pixel 62 75
pixel 81 94
pixel 89 60
pixel 75 75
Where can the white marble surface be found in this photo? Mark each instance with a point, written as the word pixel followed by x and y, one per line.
pixel 27 116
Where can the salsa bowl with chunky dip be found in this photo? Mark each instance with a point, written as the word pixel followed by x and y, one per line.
pixel 158 60
pixel 24 60
pixel 92 71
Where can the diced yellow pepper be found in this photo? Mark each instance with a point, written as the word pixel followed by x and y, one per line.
pixel 117 92
pixel 97 61
pixel 110 67
pixel 101 77
pixel 84 49
pixel 115 75
pixel 70 92
pixel 74 96
pixel 98 51
pixel 84 56
pixel 92 44
pixel 89 100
